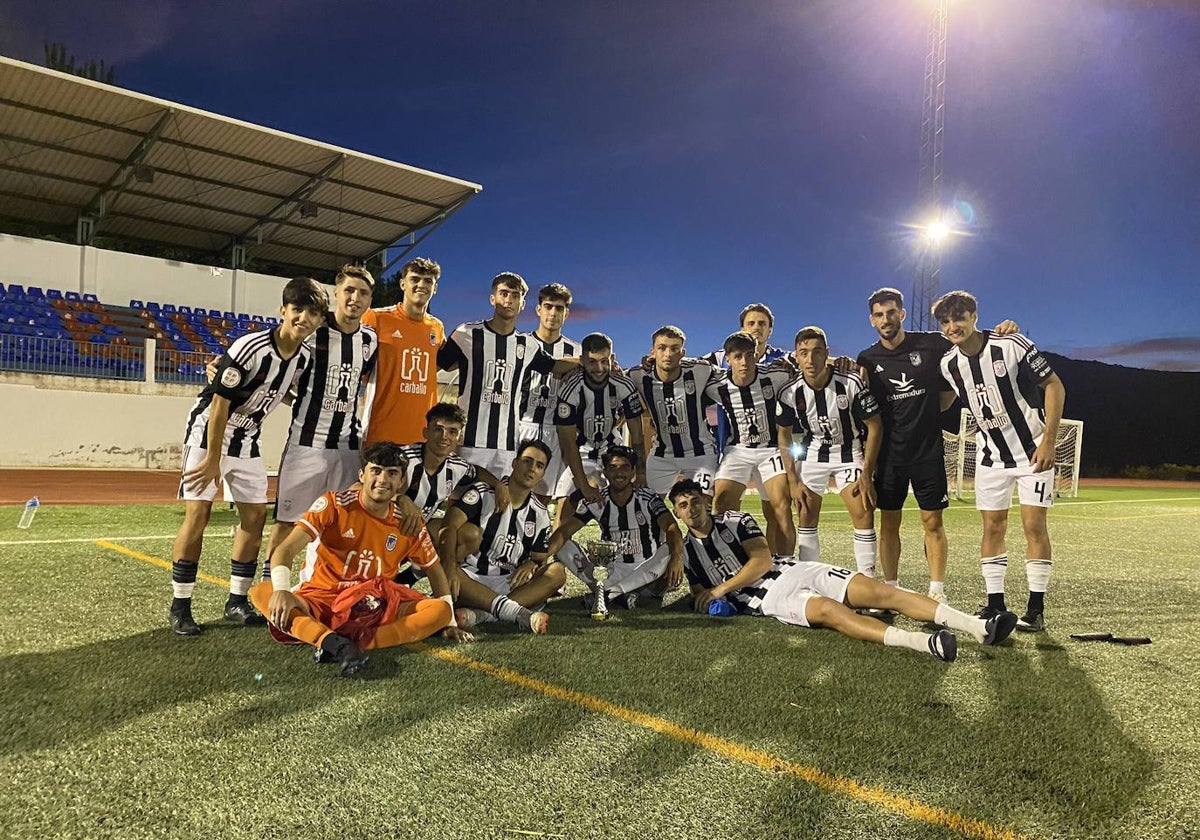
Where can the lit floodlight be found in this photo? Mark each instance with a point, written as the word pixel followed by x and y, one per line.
pixel 937 232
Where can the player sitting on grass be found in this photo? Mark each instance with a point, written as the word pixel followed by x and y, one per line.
pixel 496 557
pixel 347 602
pixel 649 546
pixel 727 557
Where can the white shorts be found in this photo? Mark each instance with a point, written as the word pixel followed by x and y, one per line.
pixel 496 461
pixel 662 473
pixel 817 476
pixel 788 596
pixel 994 486
pixel 566 482
pixel 497 583
pixel 306 474
pixel 549 436
pixel 246 478
pixel 741 463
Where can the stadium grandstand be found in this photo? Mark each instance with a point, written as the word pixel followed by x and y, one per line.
pixel 141 236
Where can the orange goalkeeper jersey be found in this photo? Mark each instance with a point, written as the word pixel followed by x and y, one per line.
pixel 353 546
pixel 404 385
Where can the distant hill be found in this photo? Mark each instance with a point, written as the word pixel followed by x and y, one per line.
pixel 1131 417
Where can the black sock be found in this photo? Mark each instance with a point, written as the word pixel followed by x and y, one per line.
pixel 181 604
pixel 1037 601
pixel 996 601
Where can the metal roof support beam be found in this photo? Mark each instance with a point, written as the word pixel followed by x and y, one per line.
pixel 429 225
pixel 296 200
pixel 106 197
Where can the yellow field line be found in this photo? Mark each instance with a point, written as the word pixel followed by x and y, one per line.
pixel 154 561
pixel 878 797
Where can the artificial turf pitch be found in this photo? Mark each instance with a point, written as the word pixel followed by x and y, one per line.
pixel 656 724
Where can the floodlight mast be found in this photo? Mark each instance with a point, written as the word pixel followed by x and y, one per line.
pixel 929 184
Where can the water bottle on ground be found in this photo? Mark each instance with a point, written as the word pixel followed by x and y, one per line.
pixel 31 508
pixel 720 608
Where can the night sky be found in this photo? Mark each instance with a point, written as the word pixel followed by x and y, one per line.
pixel 673 161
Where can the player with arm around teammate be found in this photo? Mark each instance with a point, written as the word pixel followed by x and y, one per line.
pixel 1017 402
pixel 649 559
pixel 727 557
pixel 347 602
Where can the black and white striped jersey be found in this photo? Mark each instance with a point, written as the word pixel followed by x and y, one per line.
pixel 429 492
pixel 491 370
pixel 509 535
pixel 325 409
pixel 752 409
pixel 678 409
pixel 539 394
pixel 633 526
pixel 255 378
pixel 597 411
pixel 999 385
pixel 712 560
pixel 832 417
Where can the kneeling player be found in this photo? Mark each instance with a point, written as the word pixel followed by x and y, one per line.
pixel 727 557
pixel 649 545
pixel 499 568
pixel 347 601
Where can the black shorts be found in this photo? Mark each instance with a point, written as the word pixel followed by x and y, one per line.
pixel 928 479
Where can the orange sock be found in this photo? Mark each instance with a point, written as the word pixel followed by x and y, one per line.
pixel 303 627
pixel 415 621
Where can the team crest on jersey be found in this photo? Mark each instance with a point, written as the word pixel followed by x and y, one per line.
pixel 843 402
pixel 471 496
pixel 689 387
pixel 768 391
pixel 320 504
pixel 727 536
pixel 640 517
pixel 366 350
pixel 390 545
pixel 231 377
pixel 520 351
pixel 564 410
pixel 915 358
pixel 432 338
pixel 999 368
pixel 529 529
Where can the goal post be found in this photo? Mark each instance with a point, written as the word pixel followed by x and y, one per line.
pixel 960 457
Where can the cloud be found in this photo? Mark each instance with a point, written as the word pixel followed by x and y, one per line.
pixel 1180 353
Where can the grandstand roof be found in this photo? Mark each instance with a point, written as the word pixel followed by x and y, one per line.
pixel 149 169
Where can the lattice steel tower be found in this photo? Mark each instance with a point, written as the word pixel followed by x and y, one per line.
pixel 929 186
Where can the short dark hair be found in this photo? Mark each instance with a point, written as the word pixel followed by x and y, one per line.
pixel 554 291
pixel 594 343
pixel 619 451
pixel 953 304
pixel 758 307
pixel 446 411
pixel 306 293
pixel 510 280
pixel 357 271
pixel 539 445
pixel 808 333
pixel 383 454
pixel 739 340
pixel 884 295
pixel 684 487
pixel 421 265
pixel 670 331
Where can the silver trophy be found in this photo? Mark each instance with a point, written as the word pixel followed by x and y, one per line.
pixel 601 553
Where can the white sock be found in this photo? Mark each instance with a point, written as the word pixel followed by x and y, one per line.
pixel 937 587
pixel 808 545
pixel 864 550
pixel 1037 572
pixel 895 637
pixel 895 583
pixel 506 609
pixel 947 616
pixel 994 569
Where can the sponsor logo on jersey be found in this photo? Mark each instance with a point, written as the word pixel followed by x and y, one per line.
pixel 390 545
pixel 231 377
pixel 903 383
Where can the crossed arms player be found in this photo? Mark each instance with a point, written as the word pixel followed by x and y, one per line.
pixel 346 601
pixel 496 557
pixel 727 557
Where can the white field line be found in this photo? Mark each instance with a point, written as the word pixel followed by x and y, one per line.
pixel 214 532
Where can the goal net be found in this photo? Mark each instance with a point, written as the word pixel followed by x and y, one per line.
pixel 960 457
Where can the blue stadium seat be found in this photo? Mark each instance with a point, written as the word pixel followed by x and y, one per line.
pixel 53 294
pixel 214 313
pixel 35 292
pixel 152 306
pixel 90 299
pixel 186 310
pixel 72 295
pixel 136 304
pixel 14 289
pixel 229 316
pixel 168 307
pixel 242 316
pixel 258 318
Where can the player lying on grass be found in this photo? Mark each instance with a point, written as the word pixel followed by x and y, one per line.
pixel 649 559
pixel 496 558
pixel 727 557
pixel 347 602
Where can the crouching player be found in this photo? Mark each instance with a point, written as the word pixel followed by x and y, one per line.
pixel 347 602
pixel 649 546
pixel 727 557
